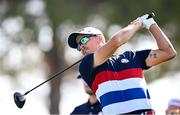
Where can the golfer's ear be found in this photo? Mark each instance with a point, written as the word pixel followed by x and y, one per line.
pixel 100 39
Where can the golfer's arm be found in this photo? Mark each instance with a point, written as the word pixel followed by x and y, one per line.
pixel 165 49
pixel 121 37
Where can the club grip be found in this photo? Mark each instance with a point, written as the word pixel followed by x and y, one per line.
pixel 151 15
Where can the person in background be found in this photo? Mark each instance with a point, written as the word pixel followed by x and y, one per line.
pixel 92 106
pixel 173 107
pixel 118 80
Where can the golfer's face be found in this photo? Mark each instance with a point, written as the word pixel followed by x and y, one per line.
pixel 173 110
pixel 86 43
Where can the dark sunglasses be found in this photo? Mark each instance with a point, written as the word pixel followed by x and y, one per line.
pixel 84 40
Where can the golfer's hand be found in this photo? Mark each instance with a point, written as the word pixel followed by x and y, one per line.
pixel 147 22
pixel 138 23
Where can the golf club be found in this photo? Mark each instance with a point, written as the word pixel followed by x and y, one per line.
pixel 151 15
pixel 20 99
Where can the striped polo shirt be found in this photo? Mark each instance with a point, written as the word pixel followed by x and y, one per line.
pixel 118 83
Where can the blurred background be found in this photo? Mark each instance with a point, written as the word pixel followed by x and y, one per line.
pixel 33 46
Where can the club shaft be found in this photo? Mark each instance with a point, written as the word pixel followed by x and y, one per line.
pixel 54 76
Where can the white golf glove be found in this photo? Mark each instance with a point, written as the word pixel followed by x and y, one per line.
pixel 147 22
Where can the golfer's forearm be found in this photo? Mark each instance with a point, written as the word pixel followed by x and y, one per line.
pixel 121 37
pixel 125 34
pixel 162 40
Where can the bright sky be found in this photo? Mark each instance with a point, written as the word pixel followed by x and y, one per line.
pixel 164 89
pixel 35 102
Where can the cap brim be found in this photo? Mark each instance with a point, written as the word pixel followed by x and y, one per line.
pixel 72 40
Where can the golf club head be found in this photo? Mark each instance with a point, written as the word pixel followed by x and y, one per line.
pixel 19 99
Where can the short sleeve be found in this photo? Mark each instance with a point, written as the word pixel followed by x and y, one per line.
pixel 86 68
pixel 142 55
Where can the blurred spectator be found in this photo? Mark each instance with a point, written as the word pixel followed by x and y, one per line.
pixel 92 106
pixel 173 107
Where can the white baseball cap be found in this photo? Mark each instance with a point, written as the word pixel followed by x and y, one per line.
pixel 87 30
pixel 174 102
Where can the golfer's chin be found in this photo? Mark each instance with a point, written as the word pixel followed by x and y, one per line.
pixel 87 52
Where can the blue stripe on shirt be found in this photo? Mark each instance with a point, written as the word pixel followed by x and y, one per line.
pixel 123 95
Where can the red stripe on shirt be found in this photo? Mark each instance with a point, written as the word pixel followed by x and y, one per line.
pixel 112 75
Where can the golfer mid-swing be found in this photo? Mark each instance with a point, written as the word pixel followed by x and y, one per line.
pixel 118 81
